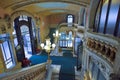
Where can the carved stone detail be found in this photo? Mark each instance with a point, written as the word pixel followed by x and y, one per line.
pixel 113 53
pixel 114 76
pixel 102 48
pixel 107 50
pixel 36 72
pixel 97 45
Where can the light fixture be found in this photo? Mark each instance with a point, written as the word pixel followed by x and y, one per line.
pixel 48 47
pixel 56 35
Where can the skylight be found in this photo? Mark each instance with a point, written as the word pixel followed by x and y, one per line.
pixel 52 5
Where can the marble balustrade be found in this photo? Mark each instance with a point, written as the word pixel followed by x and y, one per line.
pixel 36 72
pixel 106 50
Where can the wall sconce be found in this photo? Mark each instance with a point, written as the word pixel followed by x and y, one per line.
pixel 48 47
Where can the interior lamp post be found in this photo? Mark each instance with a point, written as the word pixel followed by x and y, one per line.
pixel 56 35
pixel 48 47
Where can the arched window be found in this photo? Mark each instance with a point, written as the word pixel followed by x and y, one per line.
pixel 23 17
pixel 66 40
pixel 70 20
pixel 24 25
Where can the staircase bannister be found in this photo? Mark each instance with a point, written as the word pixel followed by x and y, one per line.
pixel 36 72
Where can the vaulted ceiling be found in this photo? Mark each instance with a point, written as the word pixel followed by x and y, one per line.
pixel 46 7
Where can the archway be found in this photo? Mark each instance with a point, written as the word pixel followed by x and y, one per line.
pixel 26 36
pixel 26 41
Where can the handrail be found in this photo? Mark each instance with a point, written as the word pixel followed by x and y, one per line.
pixel 36 72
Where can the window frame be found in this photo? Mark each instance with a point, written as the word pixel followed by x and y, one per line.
pixel 70 22
pixel 7 61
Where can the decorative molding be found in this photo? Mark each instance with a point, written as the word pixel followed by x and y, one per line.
pixel 80 31
pixel 36 72
pixel 114 76
pixel 105 67
pixel 3 26
pixel 104 37
pixel 19 4
pixel 21 12
pixel 105 50
pixel 67 29
pixel 16 14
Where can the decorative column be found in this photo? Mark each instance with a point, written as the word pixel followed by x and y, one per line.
pixel 75 30
pixel 2 65
pixel 38 31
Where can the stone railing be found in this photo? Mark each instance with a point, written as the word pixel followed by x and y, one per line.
pixel 36 72
pixel 106 50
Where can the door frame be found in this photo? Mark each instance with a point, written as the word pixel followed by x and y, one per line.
pixel 20 53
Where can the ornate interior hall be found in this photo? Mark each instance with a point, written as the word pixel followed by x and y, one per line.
pixel 59 39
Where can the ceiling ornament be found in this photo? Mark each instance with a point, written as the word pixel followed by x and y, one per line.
pixel 21 12
pixel 14 4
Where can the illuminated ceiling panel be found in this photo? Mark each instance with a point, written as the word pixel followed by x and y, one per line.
pixel 52 5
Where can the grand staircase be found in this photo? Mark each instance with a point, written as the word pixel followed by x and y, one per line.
pixel 49 70
pixel 43 71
